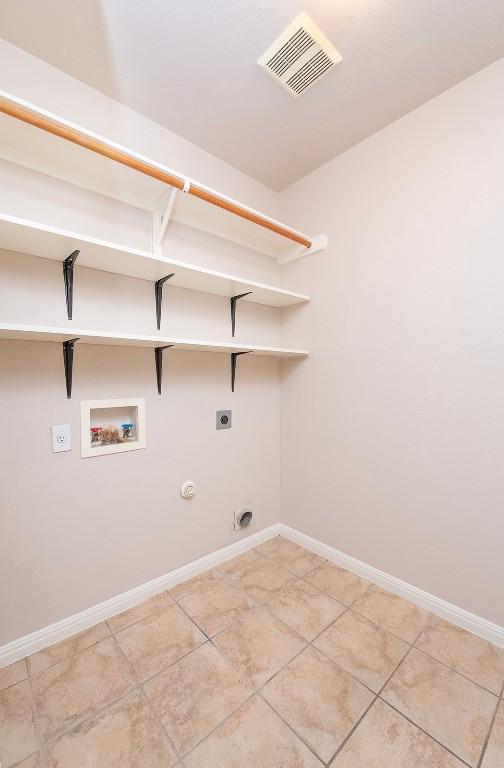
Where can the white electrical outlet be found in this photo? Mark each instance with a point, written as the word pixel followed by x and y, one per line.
pixel 61 439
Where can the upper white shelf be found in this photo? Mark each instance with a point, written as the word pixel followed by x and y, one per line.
pixel 25 236
pixel 46 333
pixel 32 137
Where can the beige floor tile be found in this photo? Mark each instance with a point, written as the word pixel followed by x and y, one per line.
pixel 295 559
pixel 318 700
pixel 13 674
pixel 385 739
pixel 138 612
pixel 152 644
pixel 338 583
pixel 126 734
pixel 233 565
pixel 261 579
pixel 200 583
pixel 303 563
pixel 267 547
pixel 34 761
pixel 194 695
pixel 304 609
pixel 494 755
pixel 469 654
pixel 77 687
pixel 452 709
pixel 253 737
pixel 218 608
pixel 362 648
pixel 392 612
pixel 17 724
pixel 66 648
pixel 259 645
pixel 280 544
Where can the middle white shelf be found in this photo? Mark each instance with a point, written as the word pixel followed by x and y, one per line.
pixel 18 332
pixel 29 237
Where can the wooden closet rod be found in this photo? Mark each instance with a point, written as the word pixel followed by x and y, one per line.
pixel 101 148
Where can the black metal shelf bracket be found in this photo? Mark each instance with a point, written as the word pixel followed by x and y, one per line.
pixel 233 301
pixel 68 277
pixel 68 350
pixel 158 356
pixel 158 290
pixel 234 356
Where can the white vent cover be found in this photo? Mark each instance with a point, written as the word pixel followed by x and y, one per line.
pixel 300 57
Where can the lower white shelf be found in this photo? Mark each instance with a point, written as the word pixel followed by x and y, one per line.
pixel 47 333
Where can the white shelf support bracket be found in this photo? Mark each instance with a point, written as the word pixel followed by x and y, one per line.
pixel 160 220
pixel 319 243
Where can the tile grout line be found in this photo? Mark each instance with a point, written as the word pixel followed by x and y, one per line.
pixel 456 671
pixel 69 656
pixel 259 690
pixel 79 723
pixel 112 702
pixel 147 680
pixel 168 666
pixel 376 696
pixel 492 723
pixel 254 690
pixel 135 686
pixel 35 709
pixel 19 763
pixel 137 621
pixel 363 616
pixel 164 730
pixel 420 728
pixel 396 709
pixel 420 650
pixel 146 698
pixel 296 734
pixel 210 733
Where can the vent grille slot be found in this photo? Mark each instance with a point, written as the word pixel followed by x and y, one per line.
pixel 300 57
pixel 311 71
pixel 290 52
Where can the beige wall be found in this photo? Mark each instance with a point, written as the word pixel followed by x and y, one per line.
pixel 393 430
pixel 75 532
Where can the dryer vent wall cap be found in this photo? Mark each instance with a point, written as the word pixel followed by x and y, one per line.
pixel 243 517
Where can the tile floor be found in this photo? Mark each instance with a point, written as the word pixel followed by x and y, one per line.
pixel 276 659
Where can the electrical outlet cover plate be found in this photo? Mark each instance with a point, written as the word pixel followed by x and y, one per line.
pixel 61 438
pixel 223 420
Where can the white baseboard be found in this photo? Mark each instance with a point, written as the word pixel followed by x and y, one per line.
pixel 60 630
pixel 436 605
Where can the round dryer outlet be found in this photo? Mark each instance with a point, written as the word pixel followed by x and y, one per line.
pixel 188 490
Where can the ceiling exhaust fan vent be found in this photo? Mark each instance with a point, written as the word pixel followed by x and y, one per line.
pixel 300 57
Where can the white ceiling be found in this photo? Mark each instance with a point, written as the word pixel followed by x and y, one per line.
pixel 190 65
